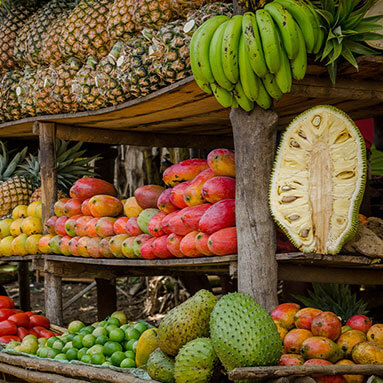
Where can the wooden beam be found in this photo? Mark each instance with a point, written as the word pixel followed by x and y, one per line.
pixel 24 288
pixel 106 297
pixel 53 298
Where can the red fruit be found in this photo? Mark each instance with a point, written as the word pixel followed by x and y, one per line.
pixel 184 171
pixel 105 248
pixel 218 216
pixel 285 313
pixel 202 243
pixel 147 196
pixel 8 327
pixel 88 187
pixel 60 225
pixel 138 242
pixel 80 225
pixel 222 162
pixel 70 225
pixel 5 303
pixel 105 227
pixel 191 216
pixel 218 188
pixel 20 319
pixel 44 333
pixel 165 222
pixel 359 322
pixel 120 225
pixel 147 250
pixel 223 242
pixel 105 206
pixel 188 247
pixel 193 193
pixel 85 207
pixel 6 313
pixel 160 248
pixel 177 195
pixel 10 301
pixel 33 332
pixel 164 203
pixel 29 313
pixel 9 338
pixel 324 378
pixel 293 340
pixel 154 225
pixel 81 247
pixel 39 320
pixel 90 228
pixel 64 245
pixel 291 360
pixel 22 332
pixel 173 244
pixel 59 207
pixel 50 225
pixel 132 227
pixel 93 247
pixel 326 324
pixel 72 207
pixel 73 246
pixel 303 318
pixel 177 226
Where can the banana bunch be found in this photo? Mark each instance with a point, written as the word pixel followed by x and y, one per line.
pixel 253 58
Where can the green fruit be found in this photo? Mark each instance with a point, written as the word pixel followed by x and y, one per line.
pixel 83 351
pixel 61 356
pixel 243 334
pixel 128 363
pixel 98 359
pixel 117 357
pixel 160 367
pixel 111 327
pixel 75 326
pixel 128 345
pixel 86 359
pixel 107 363
pixel 121 316
pixel 76 341
pixel 58 345
pixel 144 218
pixel 43 352
pixel 117 335
pixel 134 346
pixel 88 340
pixel 72 354
pixel 101 339
pixel 51 340
pixel 103 323
pixel 195 362
pixel 86 330
pixel 111 347
pixel 130 354
pixel 96 349
pixel 132 333
pixel 186 322
pixel 98 331
pixel 124 327
pixel 141 327
pixel 114 321
pixel 52 353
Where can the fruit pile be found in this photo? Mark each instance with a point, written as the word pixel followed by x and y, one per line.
pixel 20 235
pixel 314 337
pixel 17 325
pixel 194 217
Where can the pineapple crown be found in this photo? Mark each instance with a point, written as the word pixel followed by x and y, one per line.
pixel 9 169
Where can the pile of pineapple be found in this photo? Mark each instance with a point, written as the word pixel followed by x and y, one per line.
pixel 62 56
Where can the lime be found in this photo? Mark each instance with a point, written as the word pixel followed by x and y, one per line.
pixel 61 356
pixel 130 355
pixel 114 321
pixel 88 340
pixel 64 338
pixel 97 359
pixel 124 327
pixel 128 363
pixel 72 354
pixel 86 359
pixel 43 352
pixel 96 349
pixel 117 335
pixel 121 316
pixel 128 345
pixel 103 323
pixel 87 330
pixel 111 347
pixel 98 331
pixel 51 340
pixel 134 347
pixel 110 327
pixel 117 357
pixel 101 339
pixel 141 327
pixel 107 363
pixel 77 341
pixel 75 326
pixel 52 353
pixel 82 352
pixel 70 337
pixel 58 345
pixel 132 333
pixel 42 341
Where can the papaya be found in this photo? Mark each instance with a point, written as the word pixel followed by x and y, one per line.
pixel 164 203
pixel 188 247
pixel 218 216
pixel 184 171
pixel 147 196
pixel 160 248
pixel 177 195
pixel 87 187
pixel 322 348
pixel 222 162
pixel 105 206
pixel 218 188
pixel 223 242
pixel 193 193
pixel 144 218
pixel 154 225
pixel 173 244
pixel 367 353
pixel 192 215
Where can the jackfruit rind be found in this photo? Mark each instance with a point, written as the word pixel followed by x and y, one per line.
pixel 318 180
pixel 195 362
pixel 243 334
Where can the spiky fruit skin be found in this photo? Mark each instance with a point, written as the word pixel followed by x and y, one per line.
pixel 367 353
pixel 359 322
pixel 304 318
pixel 195 362
pixel 160 366
pixel 285 313
pixel 322 348
pixel 375 334
pixel 291 360
pixel 184 171
pixel 186 322
pixel 257 343
pixel 327 324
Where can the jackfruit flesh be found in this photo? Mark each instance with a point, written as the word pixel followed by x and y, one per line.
pixel 318 180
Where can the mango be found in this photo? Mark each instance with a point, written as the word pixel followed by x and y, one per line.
pixel 80 225
pixel 349 339
pixel 105 248
pixel 327 324
pixel 105 206
pixel 59 207
pixel 87 187
pixel 223 242
pixel 322 348
pixel 160 248
pixel 147 250
pixel 193 193
pixel 375 334
pixel 285 313
pixel 81 247
pixel 120 225
pixel 304 318
pixel 115 245
pixel 144 218
pixel 177 226
pixel 138 242
pixel 293 340
pixel 291 360
pixel 18 245
pixel 70 225
pixel 359 322
pixel 5 246
pixel 202 243
pixel 50 225
pixel 222 162
pixel 32 244
pixel 218 216
pixel 191 216
pixel 64 245
pixel 165 222
pixel 15 227
pixel 183 171
pixel 85 207
pixel 154 225
pixel 367 353
pixel 164 203
pixel 93 247
pixel 281 330
pixel 148 195
pixel 60 225
pixel 32 225
pixel 73 246
pixel 188 247
pixel 350 378
pixel 173 244
pixel 54 244
pixel 44 244
pixel 177 195
pixel 147 343
pixel 218 188
pixel 90 227
pixel 20 211
pixel 132 208
pixel 72 207
pixel 324 378
pixel 132 227
pixel 105 227
pixel 5 225
pixel 127 248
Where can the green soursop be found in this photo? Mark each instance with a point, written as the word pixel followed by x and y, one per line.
pixel 160 367
pixel 195 362
pixel 186 322
pixel 243 333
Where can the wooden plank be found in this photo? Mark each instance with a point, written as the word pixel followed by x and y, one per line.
pixel 53 298
pixel 24 288
pixel 106 297
pixel 254 140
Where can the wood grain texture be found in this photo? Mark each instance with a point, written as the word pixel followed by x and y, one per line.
pixel 53 298
pixel 24 288
pixel 106 297
pixel 254 139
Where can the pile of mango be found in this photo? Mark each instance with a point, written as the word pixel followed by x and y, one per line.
pixel 20 235
pixel 314 337
pixel 193 217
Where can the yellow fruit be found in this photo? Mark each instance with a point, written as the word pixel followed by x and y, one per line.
pixel 29 346
pixel 32 225
pixel 5 246
pixel 4 227
pixel 351 378
pixel 132 208
pixel 375 334
pixel 18 245
pixel 147 343
pixel 282 330
pixel 35 209
pixel 20 212
pixel 32 244
pixel 367 353
pixel 44 244
pixel 15 227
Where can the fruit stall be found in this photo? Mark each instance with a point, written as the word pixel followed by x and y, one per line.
pixel 249 101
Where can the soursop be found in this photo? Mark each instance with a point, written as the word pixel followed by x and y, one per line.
pixel 160 367
pixel 186 322
pixel 243 334
pixel 195 362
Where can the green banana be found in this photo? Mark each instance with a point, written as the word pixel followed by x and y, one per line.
pixel 299 64
pixel 215 58
pixel 254 45
pixel 283 76
pixel 272 87
pixel 305 19
pixel 247 76
pixel 242 99
pixel 263 100
pixel 320 33
pixel 270 40
pixel 199 49
pixel 287 27
pixel 224 97
pixel 205 86
pixel 230 45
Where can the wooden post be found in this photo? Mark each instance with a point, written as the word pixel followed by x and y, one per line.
pixel 254 141
pixel 24 289
pixel 53 298
pixel 106 297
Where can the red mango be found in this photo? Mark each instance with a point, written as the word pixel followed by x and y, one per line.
pixel 88 187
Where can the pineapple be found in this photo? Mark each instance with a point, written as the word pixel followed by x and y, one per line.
pixel 120 23
pixel 84 32
pixel 25 92
pixel 9 104
pixel 42 92
pixel 152 13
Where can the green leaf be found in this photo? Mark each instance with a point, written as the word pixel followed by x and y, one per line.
pixel 368 27
pixel 347 54
pixel 368 36
pixel 327 49
pixel 336 53
pixel 332 69
pixel 359 48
